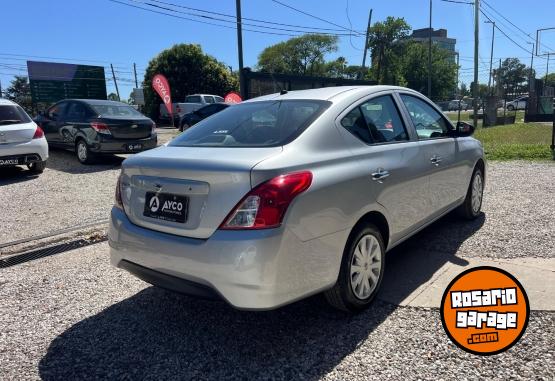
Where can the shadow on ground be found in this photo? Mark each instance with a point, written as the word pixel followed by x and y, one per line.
pixel 66 161
pixel 160 335
pixel 14 175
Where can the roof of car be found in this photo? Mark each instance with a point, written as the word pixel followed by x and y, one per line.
pixel 97 101
pixel 6 102
pixel 328 93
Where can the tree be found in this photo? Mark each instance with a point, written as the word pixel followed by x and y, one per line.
pixel 549 79
pixel 19 92
pixel 303 55
pixel 464 91
pixel 188 71
pixel 113 97
pixel 383 42
pixel 512 77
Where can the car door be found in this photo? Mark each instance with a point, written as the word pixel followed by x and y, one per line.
pixel 51 123
pixel 434 132
pixel 391 165
pixel 74 122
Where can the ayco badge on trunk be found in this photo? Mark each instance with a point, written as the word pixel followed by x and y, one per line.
pixel 162 87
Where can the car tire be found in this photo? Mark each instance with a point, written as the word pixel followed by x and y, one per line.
pixel 472 205
pixel 510 108
pixel 83 152
pixel 183 127
pixel 355 290
pixel 37 166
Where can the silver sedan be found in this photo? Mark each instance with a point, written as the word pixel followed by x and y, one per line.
pixel 293 194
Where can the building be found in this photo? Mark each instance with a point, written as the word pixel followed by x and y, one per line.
pixel 439 37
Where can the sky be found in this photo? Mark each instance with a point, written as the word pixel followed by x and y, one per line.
pixel 104 32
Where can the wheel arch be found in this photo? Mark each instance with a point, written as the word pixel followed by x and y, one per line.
pixel 378 219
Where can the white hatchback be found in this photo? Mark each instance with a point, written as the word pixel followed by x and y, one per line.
pixel 22 142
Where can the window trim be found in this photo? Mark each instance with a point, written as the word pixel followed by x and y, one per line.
pixel 368 98
pixel 429 103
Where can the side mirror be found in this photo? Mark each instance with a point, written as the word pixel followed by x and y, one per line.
pixel 465 129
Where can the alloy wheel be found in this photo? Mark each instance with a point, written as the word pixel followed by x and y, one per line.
pixel 477 192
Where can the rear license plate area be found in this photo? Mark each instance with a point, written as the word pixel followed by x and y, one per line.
pixel 134 147
pixel 166 207
pixel 8 161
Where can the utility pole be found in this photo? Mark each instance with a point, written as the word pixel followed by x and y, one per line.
pixel 1 86
pixel 361 74
pixel 135 72
pixel 430 55
pixel 530 84
pixel 491 55
pixel 240 49
pixel 546 73
pixel 457 85
pixel 115 82
pixel 476 42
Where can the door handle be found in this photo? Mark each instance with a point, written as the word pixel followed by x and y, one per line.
pixel 435 160
pixel 380 175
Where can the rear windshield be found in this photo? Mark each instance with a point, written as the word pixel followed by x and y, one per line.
pixel 256 124
pixel 11 114
pixel 116 111
pixel 193 99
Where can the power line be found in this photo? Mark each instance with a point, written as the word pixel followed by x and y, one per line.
pixel 234 22
pixel 503 32
pixel 458 2
pixel 316 17
pixel 246 18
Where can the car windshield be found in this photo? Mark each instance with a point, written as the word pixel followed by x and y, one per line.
pixel 256 124
pixel 116 111
pixel 11 114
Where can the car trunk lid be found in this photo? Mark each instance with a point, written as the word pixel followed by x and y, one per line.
pixel 210 181
pixel 17 133
pixel 128 128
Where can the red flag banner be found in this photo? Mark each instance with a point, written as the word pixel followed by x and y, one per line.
pixel 232 97
pixel 162 87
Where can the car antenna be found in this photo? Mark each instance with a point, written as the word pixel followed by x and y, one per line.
pixel 282 91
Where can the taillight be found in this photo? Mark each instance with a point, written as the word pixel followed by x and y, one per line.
pixel 264 206
pixel 39 133
pixel 118 200
pixel 101 128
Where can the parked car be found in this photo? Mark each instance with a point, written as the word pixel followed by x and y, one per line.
pixel 91 127
pixel 454 105
pixel 517 104
pixel 291 194
pixel 192 103
pixel 22 142
pixel 204 112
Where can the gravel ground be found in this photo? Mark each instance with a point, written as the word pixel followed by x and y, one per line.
pixel 73 316
pixel 67 194
pixel 518 220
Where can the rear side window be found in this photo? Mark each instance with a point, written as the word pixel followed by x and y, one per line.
pixel 208 99
pixel 253 124
pixel 12 114
pixel 376 121
pixel 219 99
pixel 77 112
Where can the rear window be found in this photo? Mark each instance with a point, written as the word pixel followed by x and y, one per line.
pixel 116 111
pixel 256 124
pixel 11 114
pixel 193 99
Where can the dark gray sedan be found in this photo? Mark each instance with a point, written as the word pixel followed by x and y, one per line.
pixel 92 127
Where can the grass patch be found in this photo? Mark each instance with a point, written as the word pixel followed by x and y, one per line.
pixel 518 141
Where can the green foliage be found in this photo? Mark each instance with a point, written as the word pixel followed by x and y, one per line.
pixel 113 97
pixel 549 79
pixel 414 69
pixel 512 77
pixel 519 141
pixel 188 71
pixel 19 92
pixel 304 55
pixel 383 41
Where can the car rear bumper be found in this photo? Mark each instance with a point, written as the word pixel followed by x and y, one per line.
pixel 28 152
pixel 254 270
pixel 112 145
